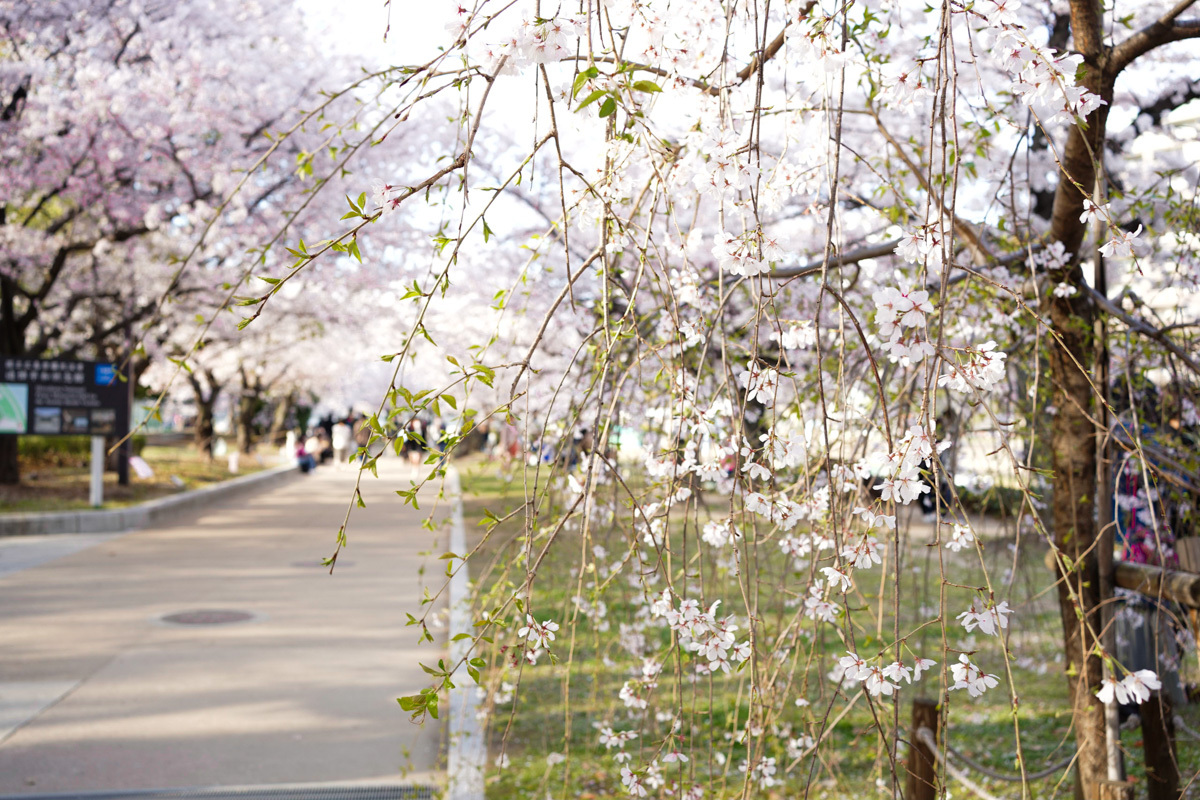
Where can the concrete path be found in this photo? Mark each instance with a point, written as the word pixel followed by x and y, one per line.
pixel 97 693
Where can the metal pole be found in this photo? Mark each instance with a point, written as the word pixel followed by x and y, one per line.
pixel 125 451
pixel 96 494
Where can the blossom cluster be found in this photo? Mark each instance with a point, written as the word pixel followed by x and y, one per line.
pixel 538 634
pixel 1043 76
pixel 903 482
pixel 760 382
pixel 970 677
pixel 989 619
pixel 747 254
pixel 538 41
pixel 983 369
pixel 879 680
pixel 924 246
pixel 701 632
pixel 1133 688
pixel 797 335
pixel 897 310
pixel 719 171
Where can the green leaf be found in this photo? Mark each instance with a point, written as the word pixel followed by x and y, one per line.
pixel 591 98
pixel 582 78
pixel 608 107
pixel 179 362
pixel 646 86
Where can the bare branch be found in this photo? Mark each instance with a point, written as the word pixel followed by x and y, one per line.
pixel 1143 327
pixel 838 260
pixel 1164 30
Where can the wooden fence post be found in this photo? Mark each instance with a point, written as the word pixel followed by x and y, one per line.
pixel 1158 745
pixel 922 766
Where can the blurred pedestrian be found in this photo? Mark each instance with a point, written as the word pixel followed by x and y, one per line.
pixel 340 439
pixel 414 442
pixel 304 459
pixel 313 445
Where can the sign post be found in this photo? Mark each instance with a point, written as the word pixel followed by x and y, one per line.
pixel 61 397
pixel 96 488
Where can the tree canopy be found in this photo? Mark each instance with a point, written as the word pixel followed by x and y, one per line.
pixel 797 267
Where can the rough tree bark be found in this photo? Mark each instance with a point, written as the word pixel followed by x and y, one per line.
pixel 1072 441
pixel 1073 430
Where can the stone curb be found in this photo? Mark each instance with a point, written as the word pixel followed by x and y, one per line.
pixel 139 516
pixel 466 757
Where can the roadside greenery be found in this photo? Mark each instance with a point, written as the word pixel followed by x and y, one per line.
pixel 567 704
pixel 57 477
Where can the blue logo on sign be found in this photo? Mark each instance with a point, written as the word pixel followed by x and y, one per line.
pixel 106 375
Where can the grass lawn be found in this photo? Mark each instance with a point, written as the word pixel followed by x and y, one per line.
pixel 561 705
pixel 52 487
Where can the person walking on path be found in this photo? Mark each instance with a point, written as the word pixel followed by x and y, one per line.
pixel 340 439
pixel 414 443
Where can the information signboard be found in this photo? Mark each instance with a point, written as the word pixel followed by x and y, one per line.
pixel 52 397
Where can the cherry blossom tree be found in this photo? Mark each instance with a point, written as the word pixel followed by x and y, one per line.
pixel 125 127
pixel 826 260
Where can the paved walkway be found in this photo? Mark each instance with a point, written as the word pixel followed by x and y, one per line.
pixel 97 693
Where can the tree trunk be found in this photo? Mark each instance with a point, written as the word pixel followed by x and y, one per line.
pixel 248 405
pixel 1073 433
pixel 205 405
pixel 279 418
pixel 204 428
pixel 245 422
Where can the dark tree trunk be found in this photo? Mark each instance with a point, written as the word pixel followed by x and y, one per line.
pixel 279 419
pixel 205 404
pixel 245 423
pixel 248 405
pixel 1073 434
pixel 204 429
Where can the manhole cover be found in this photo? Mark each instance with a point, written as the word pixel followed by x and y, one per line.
pixel 212 616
